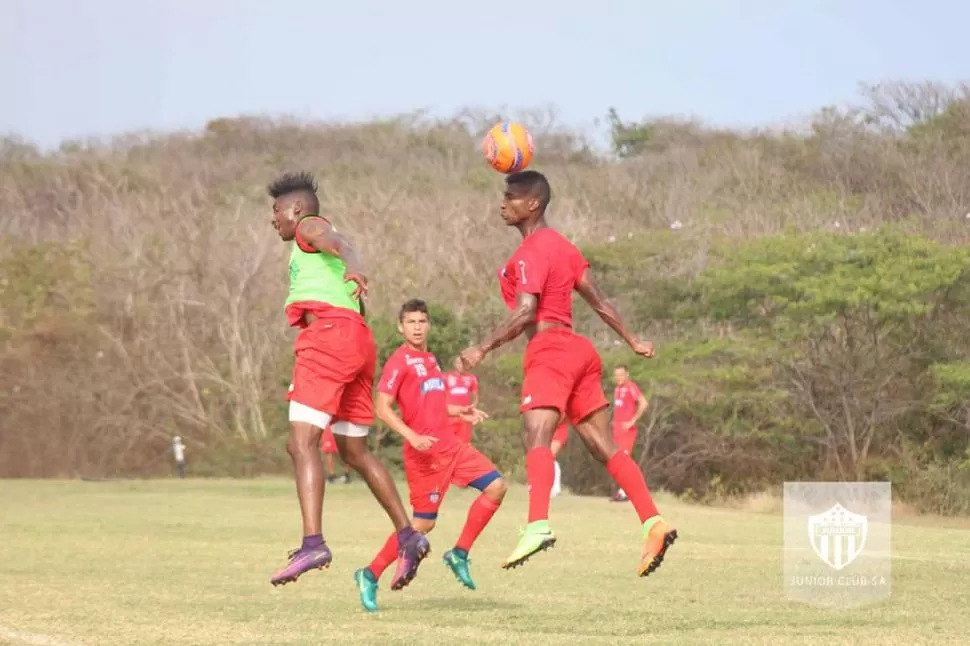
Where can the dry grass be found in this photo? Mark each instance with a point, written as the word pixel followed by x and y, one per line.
pixel 188 562
pixel 903 514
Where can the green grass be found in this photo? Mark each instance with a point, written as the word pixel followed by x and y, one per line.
pixel 188 562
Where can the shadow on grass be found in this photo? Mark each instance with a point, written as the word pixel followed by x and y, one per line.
pixel 465 604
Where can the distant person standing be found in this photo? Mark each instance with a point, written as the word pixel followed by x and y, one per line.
pixel 462 390
pixel 629 405
pixel 178 452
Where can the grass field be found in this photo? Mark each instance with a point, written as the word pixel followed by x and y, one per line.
pixel 188 562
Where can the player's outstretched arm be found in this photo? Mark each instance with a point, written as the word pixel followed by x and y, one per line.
pixel 387 414
pixel 521 316
pixel 606 310
pixel 322 236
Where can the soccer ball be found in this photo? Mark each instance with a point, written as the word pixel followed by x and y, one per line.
pixel 508 147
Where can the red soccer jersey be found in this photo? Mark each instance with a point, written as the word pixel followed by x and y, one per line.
pixel 414 380
pixel 624 403
pixel 549 265
pixel 461 388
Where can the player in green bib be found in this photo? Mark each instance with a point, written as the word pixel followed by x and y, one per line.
pixel 333 375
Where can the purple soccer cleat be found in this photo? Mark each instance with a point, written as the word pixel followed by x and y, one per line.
pixel 303 560
pixel 413 551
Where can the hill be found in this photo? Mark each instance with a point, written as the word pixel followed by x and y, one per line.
pixel 807 287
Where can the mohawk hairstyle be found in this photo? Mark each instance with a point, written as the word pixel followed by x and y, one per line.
pixel 533 182
pixel 292 183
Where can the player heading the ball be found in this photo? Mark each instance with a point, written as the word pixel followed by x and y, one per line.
pixel 562 369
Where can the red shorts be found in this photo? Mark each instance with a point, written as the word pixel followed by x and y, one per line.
pixel 334 370
pixel 327 443
pixel 431 473
pixel 561 434
pixel 562 370
pixel 625 439
pixel 462 430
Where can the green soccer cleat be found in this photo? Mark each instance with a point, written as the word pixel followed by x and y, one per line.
pixel 535 538
pixel 367 588
pixel 457 561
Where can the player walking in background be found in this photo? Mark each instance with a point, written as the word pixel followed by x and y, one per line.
pixel 462 392
pixel 562 369
pixel 433 457
pixel 332 376
pixel 629 405
pixel 328 446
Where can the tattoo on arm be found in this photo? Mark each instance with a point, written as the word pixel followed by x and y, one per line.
pixel 606 310
pixel 515 323
pixel 321 235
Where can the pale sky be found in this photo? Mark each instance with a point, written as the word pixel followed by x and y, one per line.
pixel 72 68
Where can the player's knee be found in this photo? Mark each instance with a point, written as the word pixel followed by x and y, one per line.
pixel 354 458
pixel 424 525
pixel 304 438
pixel 496 490
pixel 601 447
pixel 353 451
pixel 599 444
pixel 539 427
pixel 535 438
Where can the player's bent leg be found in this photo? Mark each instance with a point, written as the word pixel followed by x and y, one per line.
pixel 413 546
pixel 352 445
pixel 367 578
pixel 413 549
pixel 306 426
pixel 480 513
pixel 658 535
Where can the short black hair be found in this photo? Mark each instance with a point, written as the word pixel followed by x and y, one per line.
pixel 411 306
pixel 532 182
pixel 287 183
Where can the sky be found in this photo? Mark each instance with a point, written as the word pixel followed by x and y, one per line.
pixel 80 68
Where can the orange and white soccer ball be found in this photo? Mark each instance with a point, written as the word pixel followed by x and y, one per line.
pixel 508 147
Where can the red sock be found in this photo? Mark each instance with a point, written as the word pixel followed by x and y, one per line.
pixel 479 514
pixel 540 471
pixel 628 476
pixel 385 557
